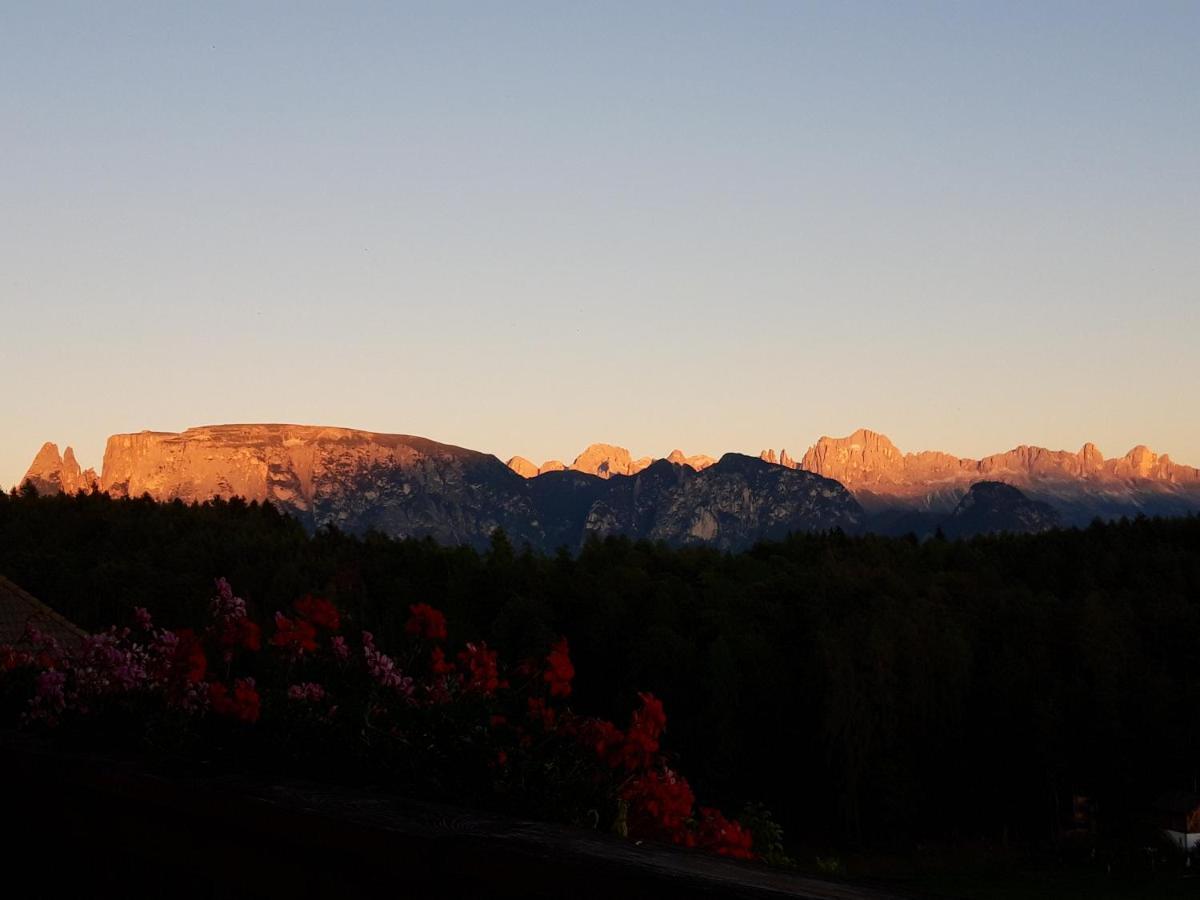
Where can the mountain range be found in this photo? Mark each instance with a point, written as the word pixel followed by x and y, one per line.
pixel 404 485
pixel 1081 486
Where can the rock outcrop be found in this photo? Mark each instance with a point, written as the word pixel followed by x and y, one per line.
pixel 51 473
pixel 606 460
pixel 698 461
pixel 523 467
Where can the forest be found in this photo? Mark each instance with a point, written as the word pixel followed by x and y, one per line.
pixel 869 691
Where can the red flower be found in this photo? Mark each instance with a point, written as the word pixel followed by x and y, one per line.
pixel 605 738
pixel 722 836
pixel 560 671
pixel 426 622
pixel 438 664
pixel 660 803
pixel 540 712
pixel 297 635
pixel 482 669
pixel 190 660
pixel 243 704
pixel 636 748
pixel 241 633
pixel 320 612
pixel 651 718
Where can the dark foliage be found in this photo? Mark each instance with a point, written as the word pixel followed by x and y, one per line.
pixel 869 688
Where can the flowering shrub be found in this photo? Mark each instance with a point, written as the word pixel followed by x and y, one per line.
pixel 457 726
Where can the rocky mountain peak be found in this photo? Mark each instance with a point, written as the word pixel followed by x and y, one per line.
pixel 1141 460
pixel 52 473
pixel 47 460
pixel 697 462
pixel 863 456
pixel 606 460
pixel 522 466
pixel 1090 458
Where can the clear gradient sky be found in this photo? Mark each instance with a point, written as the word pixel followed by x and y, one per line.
pixel 526 227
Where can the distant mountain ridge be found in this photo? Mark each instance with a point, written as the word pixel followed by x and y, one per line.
pixel 409 486
pixel 405 485
pixel 605 460
pixel 1080 485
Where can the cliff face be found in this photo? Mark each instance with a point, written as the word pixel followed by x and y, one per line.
pixel 356 480
pixel 1082 485
pixel 605 460
pixel 412 487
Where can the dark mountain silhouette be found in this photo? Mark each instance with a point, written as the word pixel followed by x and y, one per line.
pixel 992 507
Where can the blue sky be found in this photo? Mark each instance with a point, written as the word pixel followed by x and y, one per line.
pixel 526 227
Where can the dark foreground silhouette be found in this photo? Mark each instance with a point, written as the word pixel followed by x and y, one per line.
pixel 873 692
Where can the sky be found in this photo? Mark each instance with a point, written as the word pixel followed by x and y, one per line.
pixel 526 227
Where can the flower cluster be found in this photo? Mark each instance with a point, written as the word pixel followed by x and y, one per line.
pixel 559 670
pixel 383 668
pixel 426 622
pixel 234 629
pixel 480 670
pixel 636 748
pixel 429 709
pixel 240 702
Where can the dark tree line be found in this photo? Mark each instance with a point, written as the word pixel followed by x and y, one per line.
pixel 866 689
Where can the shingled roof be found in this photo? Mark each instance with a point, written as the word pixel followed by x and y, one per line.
pixel 18 608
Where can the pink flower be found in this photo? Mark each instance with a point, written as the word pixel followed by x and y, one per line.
pixel 225 606
pixel 383 668
pixel 341 650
